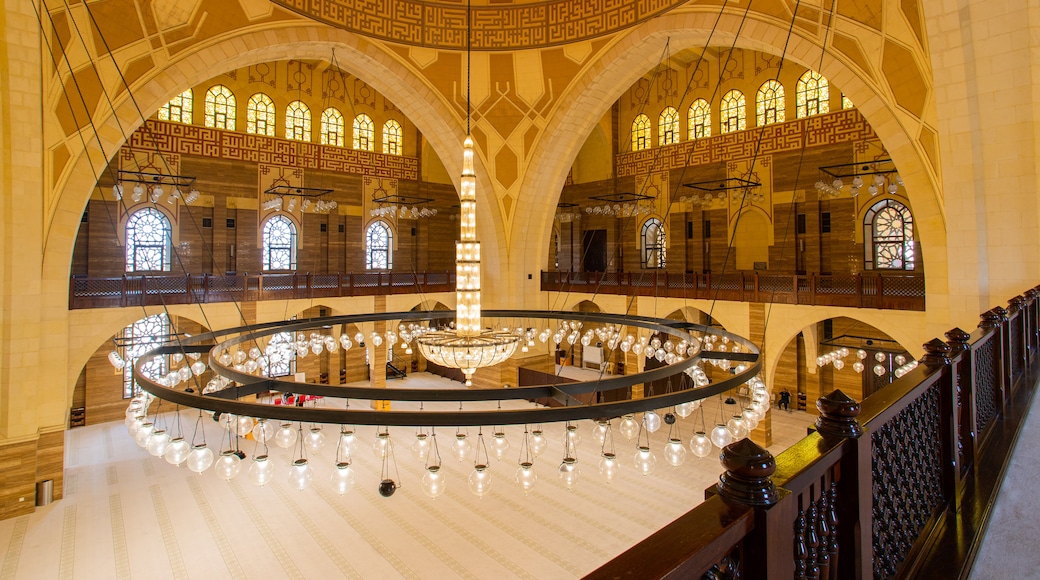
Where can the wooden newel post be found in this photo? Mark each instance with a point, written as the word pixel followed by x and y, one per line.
pixel 838 416
pixel 937 355
pixel 960 355
pixel 747 478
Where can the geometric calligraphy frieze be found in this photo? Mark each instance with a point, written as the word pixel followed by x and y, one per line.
pixel 169 137
pixel 828 129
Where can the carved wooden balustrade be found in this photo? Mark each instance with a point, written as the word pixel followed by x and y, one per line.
pixel 888 291
pixel 131 290
pixel 898 486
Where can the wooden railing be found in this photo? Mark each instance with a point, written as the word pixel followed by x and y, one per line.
pixel 205 288
pixel 889 291
pixel 899 486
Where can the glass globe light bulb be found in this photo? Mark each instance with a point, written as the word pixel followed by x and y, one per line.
pixel 200 458
pixel 343 479
pixel 858 366
pixel 651 421
pixel 571 437
pixel 421 446
pixel 480 480
pixel 461 448
pixel 600 431
pixel 838 364
pixel 285 437
pixel 645 460
pixel 227 420
pixel 227 465
pixel 349 441
pixel 879 370
pixel 720 436
pixel 569 472
pixel 609 467
pixel 537 444
pixel 628 427
pixel 499 445
pixel 861 354
pixel 737 427
pixel 525 477
pixel 261 471
pixel 177 451
pixel 880 356
pixel 674 452
pixel 245 425
pixel 315 440
pixel 143 433
pixel 700 445
pixel 433 482
pixel 900 359
pixel 300 474
pixel 262 431
pixel 684 409
pixel 158 442
pixel 381 445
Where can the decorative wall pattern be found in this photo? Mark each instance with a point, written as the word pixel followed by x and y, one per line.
pixel 166 138
pixel 838 127
pixel 438 25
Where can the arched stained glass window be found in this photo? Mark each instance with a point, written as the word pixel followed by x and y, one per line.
pixel 668 125
pixel 641 133
pixel 378 247
pixel 149 241
pixel 733 113
pixel 653 242
pixel 260 115
pixel 846 103
pixel 770 103
pixel 700 120
pixel 137 339
pixel 393 138
pixel 332 127
pixel 220 108
pixel 364 138
pixel 298 121
pixel 888 236
pixel 279 244
pixel 178 109
pixel 813 95
pixel 279 358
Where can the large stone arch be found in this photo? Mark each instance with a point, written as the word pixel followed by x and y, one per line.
pixel 638 50
pixel 372 62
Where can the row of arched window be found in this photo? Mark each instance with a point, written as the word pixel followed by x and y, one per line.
pixel 221 113
pixel 812 97
pixel 888 238
pixel 149 243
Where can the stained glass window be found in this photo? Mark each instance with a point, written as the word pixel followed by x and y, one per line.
pixel 220 108
pixel 260 115
pixel 770 103
pixel 332 127
pixel 669 126
pixel 178 109
pixel 733 113
pixel 149 241
pixel 279 355
pixel 888 231
pixel 653 243
pixel 700 120
pixel 363 133
pixel 298 121
pixel 279 244
pixel 139 338
pixel 393 137
pixel 378 242
pixel 813 95
pixel 641 133
pixel 846 103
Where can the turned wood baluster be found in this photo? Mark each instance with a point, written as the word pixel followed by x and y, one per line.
pixel 823 531
pixel 812 571
pixel 832 522
pixel 801 551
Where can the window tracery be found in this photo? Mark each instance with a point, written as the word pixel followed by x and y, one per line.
pixel 770 104
pixel 812 96
pixel 178 109
pixel 378 245
pixel 640 133
pixel 733 113
pixel 220 108
pixel 279 244
pixel 260 118
pixel 149 241
pixel 363 133
pixel 700 120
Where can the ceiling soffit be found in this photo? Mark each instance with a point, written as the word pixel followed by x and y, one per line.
pixel 519 25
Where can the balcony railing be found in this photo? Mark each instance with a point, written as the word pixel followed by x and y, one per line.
pixel 888 291
pixel 900 486
pixel 205 288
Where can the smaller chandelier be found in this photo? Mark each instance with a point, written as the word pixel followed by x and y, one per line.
pixel 469 346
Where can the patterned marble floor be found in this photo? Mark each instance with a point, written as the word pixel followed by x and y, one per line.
pixel 126 514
